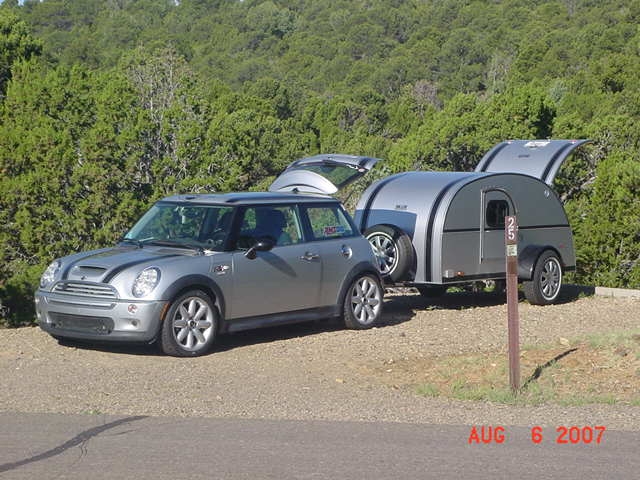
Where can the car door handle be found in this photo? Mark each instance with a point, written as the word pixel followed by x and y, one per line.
pixel 309 257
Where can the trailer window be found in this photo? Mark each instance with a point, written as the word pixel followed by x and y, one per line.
pixel 496 211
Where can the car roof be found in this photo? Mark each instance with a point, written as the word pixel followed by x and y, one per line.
pixel 245 198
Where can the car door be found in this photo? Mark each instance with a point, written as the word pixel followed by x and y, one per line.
pixel 284 279
pixel 326 173
pixel 339 244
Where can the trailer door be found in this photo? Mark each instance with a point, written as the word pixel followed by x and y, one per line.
pixel 495 205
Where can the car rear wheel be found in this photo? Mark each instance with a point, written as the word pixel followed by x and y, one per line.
pixel 190 326
pixel 393 249
pixel 544 287
pixel 363 303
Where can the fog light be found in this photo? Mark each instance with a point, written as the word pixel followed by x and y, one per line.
pixel 135 323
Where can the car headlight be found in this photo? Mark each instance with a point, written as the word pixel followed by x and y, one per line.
pixel 145 282
pixel 49 274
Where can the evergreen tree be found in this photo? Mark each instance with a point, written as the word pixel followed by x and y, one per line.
pixel 16 43
pixel 106 106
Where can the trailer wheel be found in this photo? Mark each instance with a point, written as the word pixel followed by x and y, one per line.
pixel 393 249
pixel 544 287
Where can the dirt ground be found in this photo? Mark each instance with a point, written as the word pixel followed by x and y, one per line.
pixel 321 371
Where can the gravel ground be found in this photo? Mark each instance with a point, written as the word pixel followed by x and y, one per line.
pixel 310 371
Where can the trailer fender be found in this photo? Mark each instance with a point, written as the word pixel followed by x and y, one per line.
pixel 528 257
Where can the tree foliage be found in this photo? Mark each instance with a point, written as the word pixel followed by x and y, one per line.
pixel 16 43
pixel 108 105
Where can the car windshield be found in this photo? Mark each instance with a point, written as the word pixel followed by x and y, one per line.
pixel 183 225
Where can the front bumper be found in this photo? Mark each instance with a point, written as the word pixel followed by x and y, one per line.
pixel 98 319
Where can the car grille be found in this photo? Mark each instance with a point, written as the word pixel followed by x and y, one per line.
pixel 81 323
pixel 86 289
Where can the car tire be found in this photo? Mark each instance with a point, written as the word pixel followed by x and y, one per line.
pixel 362 306
pixel 190 326
pixel 544 287
pixel 432 291
pixel 393 249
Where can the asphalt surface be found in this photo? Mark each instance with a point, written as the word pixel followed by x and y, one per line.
pixel 56 446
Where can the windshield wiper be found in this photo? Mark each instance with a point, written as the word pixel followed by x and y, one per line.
pixel 137 243
pixel 172 243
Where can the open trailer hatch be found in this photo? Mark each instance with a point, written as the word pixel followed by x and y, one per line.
pixel 538 158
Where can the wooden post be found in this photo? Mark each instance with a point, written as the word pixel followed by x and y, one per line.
pixel 513 322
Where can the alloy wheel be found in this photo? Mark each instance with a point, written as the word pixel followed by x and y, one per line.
pixel 385 251
pixel 550 278
pixel 366 300
pixel 193 324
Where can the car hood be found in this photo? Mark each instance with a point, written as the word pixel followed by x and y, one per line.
pixel 103 265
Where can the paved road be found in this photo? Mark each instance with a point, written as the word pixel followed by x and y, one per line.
pixel 53 446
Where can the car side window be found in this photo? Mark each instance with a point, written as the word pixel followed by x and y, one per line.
pixel 280 223
pixel 328 222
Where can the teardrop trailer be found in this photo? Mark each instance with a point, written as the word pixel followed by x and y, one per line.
pixel 432 230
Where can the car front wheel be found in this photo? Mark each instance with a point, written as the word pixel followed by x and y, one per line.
pixel 190 326
pixel 363 303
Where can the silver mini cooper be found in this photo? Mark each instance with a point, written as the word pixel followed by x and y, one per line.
pixel 195 266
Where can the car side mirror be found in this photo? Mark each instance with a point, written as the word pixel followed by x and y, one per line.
pixel 263 244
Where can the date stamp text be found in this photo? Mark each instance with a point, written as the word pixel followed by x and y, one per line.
pixel 562 435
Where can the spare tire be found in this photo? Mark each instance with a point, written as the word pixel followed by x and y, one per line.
pixel 393 249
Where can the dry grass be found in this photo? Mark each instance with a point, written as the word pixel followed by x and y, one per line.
pixel 596 369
